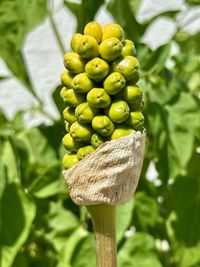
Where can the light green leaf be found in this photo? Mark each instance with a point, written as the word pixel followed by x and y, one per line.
pixel 18 212
pixel 49 183
pixel 139 251
pixel 38 148
pixel 183 120
pixel 123 218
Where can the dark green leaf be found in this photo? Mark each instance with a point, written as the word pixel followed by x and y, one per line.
pixel 84 12
pixel 193 2
pixel 84 253
pixel 124 13
pixel 58 100
pixel 18 212
pixel 183 222
pixel 146 212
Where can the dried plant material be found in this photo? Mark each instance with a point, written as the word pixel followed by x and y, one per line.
pixel 108 175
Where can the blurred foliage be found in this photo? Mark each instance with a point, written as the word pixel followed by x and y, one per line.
pixel 39 224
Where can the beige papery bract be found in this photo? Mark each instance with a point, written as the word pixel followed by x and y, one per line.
pixel 110 174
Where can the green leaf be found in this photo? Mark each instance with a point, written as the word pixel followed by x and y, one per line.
pixel 38 148
pixel 84 253
pixel 193 2
pixel 2 179
pixel 183 221
pixel 58 100
pixel 146 212
pixel 183 121
pixel 139 251
pixel 123 218
pixel 124 13
pixel 84 12
pixel 49 183
pixel 65 232
pixel 18 212
pixel 153 61
pixel 16 20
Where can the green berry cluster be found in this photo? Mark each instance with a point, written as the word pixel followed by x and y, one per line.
pixel 103 101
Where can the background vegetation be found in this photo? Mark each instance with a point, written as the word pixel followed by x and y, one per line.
pixel 39 224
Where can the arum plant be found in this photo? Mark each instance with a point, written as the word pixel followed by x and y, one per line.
pixel 104 124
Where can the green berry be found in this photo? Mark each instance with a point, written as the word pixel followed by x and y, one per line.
pixel 69 160
pixel 97 69
pixel 81 83
pixel 80 132
pixel 110 49
pixel 120 131
pixel 85 113
pixel 103 125
pixel 84 151
pixel 118 111
pixel 114 83
pixel 69 114
pixel 73 99
pixel 73 62
pixel 97 140
pixel 70 144
pixel 97 97
pixel 135 120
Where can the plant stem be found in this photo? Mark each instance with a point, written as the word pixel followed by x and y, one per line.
pixel 103 219
pixel 56 33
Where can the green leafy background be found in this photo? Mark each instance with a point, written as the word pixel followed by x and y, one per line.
pixel 160 226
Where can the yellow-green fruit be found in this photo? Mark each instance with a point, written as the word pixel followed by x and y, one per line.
pixel 110 49
pixel 73 99
pixel 74 41
pixel 73 62
pixel 128 48
pixel 114 83
pixel 127 66
pixel 84 151
pixel 97 97
pixel 69 160
pixel 87 47
pixel 97 140
pixel 69 114
pixel 70 144
pixel 66 78
pixel 67 126
pixel 81 83
pixel 62 91
pixel 118 111
pixel 85 113
pixel 135 120
pixel 112 30
pixel 120 131
pixel 97 69
pixel 132 95
pixel 80 132
pixel 103 125
pixel 93 29
pixel 134 79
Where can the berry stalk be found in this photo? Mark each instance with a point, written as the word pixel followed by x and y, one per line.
pixel 104 225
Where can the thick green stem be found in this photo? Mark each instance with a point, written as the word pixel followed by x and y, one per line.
pixel 103 219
